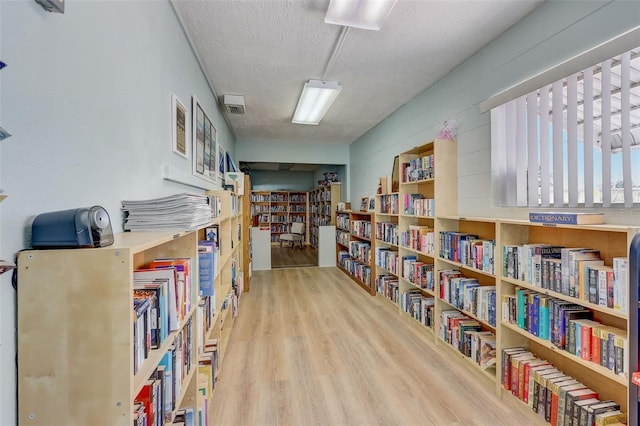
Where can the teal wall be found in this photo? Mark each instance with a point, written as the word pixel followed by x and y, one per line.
pixel 281 180
pixel 551 34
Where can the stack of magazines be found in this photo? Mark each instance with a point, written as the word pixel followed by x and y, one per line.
pixel 176 212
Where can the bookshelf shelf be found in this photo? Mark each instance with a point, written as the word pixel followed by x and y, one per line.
pixel 82 320
pixel 602 371
pixel 557 295
pixel 488 374
pixel 467 268
pixel 356 257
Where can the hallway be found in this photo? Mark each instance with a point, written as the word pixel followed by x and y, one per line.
pixel 310 347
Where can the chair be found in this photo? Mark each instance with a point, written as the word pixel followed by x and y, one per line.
pixel 296 235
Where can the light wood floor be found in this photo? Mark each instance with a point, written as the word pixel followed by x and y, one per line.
pixel 310 347
pixel 287 257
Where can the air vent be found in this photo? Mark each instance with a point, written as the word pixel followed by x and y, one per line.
pixel 233 104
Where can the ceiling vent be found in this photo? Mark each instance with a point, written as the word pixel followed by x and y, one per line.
pixel 233 104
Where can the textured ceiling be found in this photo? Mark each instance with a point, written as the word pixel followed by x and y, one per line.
pixel 265 50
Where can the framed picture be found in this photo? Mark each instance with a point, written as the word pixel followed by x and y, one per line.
pixel 222 160
pixel 203 138
pixel 395 174
pixel 179 127
pixel 364 204
pixel 211 146
pixel 372 204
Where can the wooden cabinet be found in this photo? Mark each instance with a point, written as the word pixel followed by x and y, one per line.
pixel 76 329
pixel 355 245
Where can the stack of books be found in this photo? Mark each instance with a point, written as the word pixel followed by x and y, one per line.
pixel 176 212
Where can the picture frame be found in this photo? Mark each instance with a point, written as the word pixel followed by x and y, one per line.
pixel 364 204
pixel 395 174
pixel 222 160
pixel 203 137
pixel 372 204
pixel 179 127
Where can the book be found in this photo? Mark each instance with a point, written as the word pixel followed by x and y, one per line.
pixel 207 267
pixel 567 218
pixel 603 407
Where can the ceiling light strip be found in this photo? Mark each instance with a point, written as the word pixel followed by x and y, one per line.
pixel 316 99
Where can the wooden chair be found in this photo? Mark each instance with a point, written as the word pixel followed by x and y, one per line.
pixel 296 235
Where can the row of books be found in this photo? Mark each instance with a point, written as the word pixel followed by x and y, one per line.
pixel 418 205
pixel 418 237
pixel 466 335
pixel 342 221
pixel 260 198
pixel 361 271
pixel 572 271
pixel 279 208
pixel 569 327
pixel 417 272
pixel 279 218
pixel 419 306
pixel 155 404
pixel 468 249
pixel 361 228
pixel 420 168
pixel 556 397
pixel 387 232
pixel 175 212
pixel 167 286
pixel 387 286
pixel 389 204
pixel 469 295
pixel 388 259
pixel 298 198
pixel 297 209
pixel 343 237
pixel 279 227
pixel 279 198
pixel 360 250
pixel 259 208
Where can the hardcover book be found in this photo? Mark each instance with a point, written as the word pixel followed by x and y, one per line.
pixel 568 218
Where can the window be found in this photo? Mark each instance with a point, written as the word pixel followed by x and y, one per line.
pixel 574 142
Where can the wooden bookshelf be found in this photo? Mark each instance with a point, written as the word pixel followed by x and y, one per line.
pixel 611 241
pixel 323 204
pixel 76 306
pixel 428 174
pixel 246 233
pixel 277 210
pixel 395 263
pixel 356 257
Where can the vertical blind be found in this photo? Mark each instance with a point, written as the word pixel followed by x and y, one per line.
pixel 574 142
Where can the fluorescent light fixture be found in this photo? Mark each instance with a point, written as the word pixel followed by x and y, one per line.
pixel 364 14
pixel 315 100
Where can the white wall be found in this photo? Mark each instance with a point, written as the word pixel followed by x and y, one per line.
pixel 554 32
pixel 86 96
